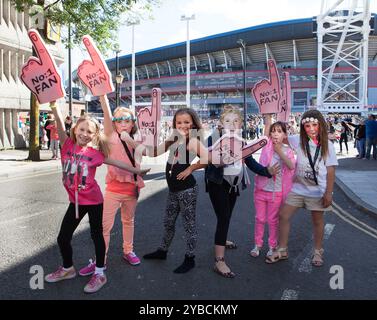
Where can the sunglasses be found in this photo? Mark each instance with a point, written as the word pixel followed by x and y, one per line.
pixel 120 119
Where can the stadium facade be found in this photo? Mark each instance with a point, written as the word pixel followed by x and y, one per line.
pixel 217 72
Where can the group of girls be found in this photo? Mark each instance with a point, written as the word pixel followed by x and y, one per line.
pixel 282 185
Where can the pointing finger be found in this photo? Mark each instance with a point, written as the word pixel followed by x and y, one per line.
pixel 274 76
pixel 92 50
pixel 40 47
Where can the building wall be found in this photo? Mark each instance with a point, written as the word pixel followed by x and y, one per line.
pixel 15 49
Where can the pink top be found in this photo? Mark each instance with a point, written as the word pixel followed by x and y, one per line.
pixel 287 174
pixel 117 152
pixel 79 169
pixel 53 132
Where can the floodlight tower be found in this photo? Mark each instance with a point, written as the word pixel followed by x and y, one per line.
pixel 343 29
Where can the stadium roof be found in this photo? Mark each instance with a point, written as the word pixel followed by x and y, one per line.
pixel 253 36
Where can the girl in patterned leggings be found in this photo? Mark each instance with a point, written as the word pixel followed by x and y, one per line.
pixel 183 189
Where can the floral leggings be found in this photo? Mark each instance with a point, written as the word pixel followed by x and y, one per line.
pixel 185 202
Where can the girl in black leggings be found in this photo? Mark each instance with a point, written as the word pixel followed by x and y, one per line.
pixel 223 183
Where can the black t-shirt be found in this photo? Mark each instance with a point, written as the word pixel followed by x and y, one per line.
pixel 179 160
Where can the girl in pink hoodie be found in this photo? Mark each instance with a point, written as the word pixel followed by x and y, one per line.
pixel 269 194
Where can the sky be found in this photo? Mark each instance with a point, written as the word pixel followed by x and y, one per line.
pixel 211 17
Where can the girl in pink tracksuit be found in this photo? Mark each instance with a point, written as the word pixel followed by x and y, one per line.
pixel 269 194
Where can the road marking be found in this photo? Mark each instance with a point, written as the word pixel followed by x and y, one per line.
pixel 289 294
pixel 344 215
pixel 306 264
pixel 157 178
pixel 328 229
pixel 29 176
pixel 351 217
pixel 24 217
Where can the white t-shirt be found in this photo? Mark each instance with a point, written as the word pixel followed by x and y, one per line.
pixel 232 171
pixel 274 184
pixel 303 183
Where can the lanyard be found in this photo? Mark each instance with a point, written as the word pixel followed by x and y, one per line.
pixel 312 163
pixel 76 162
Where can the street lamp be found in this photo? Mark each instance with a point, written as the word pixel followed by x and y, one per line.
pixel 133 23
pixel 243 44
pixel 117 78
pixel 187 19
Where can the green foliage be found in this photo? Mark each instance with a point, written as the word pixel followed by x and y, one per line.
pixel 100 19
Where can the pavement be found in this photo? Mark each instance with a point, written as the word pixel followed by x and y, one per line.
pixel 355 177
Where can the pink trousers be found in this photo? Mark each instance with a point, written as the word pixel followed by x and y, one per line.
pixel 127 204
pixel 267 205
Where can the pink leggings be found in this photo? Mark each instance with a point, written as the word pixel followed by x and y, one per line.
pixel 112 202
pixel 267 205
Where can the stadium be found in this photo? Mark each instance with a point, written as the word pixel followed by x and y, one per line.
pixel 216 64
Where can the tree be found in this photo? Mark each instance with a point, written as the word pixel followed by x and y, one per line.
pixel 100 19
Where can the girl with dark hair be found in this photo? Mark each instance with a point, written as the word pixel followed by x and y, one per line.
pixel 313 183
pixel 183 189
pixel 269 194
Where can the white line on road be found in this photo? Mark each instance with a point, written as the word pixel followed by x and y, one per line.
pixel 31 175
pixel 306 264
pixel 344 216
pixel 351 217
pixel 157 178
pixel 24 217
pixel 289 294
pixel 328 229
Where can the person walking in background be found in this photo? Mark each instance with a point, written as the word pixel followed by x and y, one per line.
pixel 49 120
pixel 344 131
pixel 371 137
pixel 54 139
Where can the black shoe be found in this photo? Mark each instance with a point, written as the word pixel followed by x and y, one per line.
pixel 187 265
pixel 159 254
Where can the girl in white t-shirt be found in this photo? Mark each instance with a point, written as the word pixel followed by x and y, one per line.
pixel 313 183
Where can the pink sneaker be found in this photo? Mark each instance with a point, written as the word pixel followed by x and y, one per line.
pixel 95 283
pixel 131 258
pixel 60 275
pixel 89 269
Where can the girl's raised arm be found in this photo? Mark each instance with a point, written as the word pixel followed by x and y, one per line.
pixel 59 122
pixel 267 124
pixel 107 116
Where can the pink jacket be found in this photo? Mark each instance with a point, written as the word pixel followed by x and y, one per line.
pixel 287 174
pixel 117 152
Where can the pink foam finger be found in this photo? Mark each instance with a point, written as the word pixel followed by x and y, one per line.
pixel 254 146
pixel 273 74
pixel 40 47
pixel 92 50
pixel 95 74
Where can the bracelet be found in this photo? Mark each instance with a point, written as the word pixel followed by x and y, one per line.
pixel 53 106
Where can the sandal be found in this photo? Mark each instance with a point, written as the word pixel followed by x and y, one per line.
pixel 255 252
pixel 278 255
pixel 230 245
pixel 317 257
pixel 229 274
